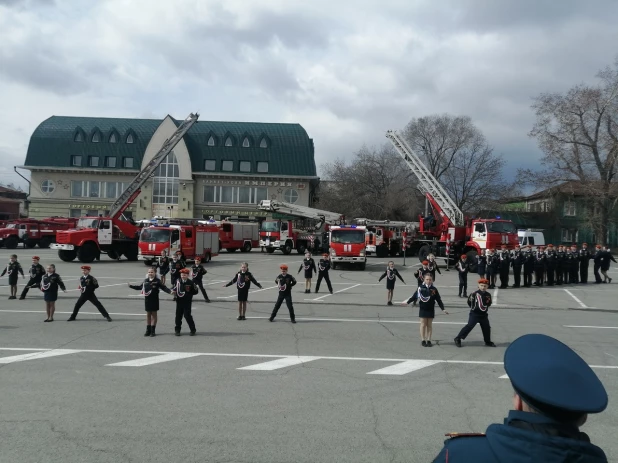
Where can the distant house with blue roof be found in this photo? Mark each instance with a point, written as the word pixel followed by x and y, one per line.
pixel 80 165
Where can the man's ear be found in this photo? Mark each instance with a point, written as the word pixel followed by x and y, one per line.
pixel 517 403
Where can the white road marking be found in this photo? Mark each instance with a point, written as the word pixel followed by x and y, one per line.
pixel 236 295
pixel 152 360
pixel 593 327
pixel 404 367
pixel 340 291
pixel 37 355
pixel 494 299
pixel 81 312
pixel 102 286
pixel 375 320
pixel 280 363
pixel 504 377
pixel 581 304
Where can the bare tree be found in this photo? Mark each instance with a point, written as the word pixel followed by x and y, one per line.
pixel 376 185
pixel 578 134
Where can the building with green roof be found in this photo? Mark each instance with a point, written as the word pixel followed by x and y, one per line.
pixel 80 165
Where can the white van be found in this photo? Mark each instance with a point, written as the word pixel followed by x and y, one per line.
pixel 530 237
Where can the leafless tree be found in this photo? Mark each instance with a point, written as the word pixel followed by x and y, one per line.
pixel 376 184
pixel 578 134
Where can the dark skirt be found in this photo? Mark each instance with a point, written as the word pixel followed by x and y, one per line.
pixel 151 305
pixel 50 296
pixel 13 279
pixel 424 312
pixel 243 295
pixel 390 284
pixel 164 271
pixel 309 274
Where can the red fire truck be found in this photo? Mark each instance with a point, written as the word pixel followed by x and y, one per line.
pixel 310 231
pixel 33 232
pixel 238 235
pixel 385 237
pixel 115 235
pixel 447 228
pixel 347 245
pixel 190 236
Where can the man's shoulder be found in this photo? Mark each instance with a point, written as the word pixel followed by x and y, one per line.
pixel 464 447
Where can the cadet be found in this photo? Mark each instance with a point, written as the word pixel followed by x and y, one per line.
pixel 36 275
pixel 528 266
pixel 184 290
pixel 197 273
pixel 566 266
pixel 479 303
pixel 309 265
pixel 391 273
pixel 517 261
pixel 492 267
pixel 433 266
pixel 549 407
pixel 176 265
pixel 13 268
pixel 421 272
pixel 428 295
pixel 584 262
pixel 87 286
pixel 50 283
pixel 560 263
pixel 598 260
pixel 539 266
pixel 323 268
pixel 150 288
pixel 284 283
pixel 550 261
pixel 463 267
pixel 504 265
pixel 481 264
pixel 164 266
pixel 243 280
pixel 574 268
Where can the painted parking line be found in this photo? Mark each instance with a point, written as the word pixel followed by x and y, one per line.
pixel 252 292
pixel 37 355
pixel 404 367
pixel 280 363
pixel 336 292
pixel 592 327
pixel 153 360
pixel 581 304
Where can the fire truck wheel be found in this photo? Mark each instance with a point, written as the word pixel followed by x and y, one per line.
pixel 333 266
pixel 45 242
pixel 472 258
pixel 270 250
pixel 246 247
pixel 67 256
pixel 363 266
pixel 87 253
pixel 112 254
pixel 394 250
pixel 423 252
pixel 132 255
pixel 382 250
pixel 230 249
pixel 287 248
pixel 11 242
pixel 29 244
pixel 148 263
pixel 301 248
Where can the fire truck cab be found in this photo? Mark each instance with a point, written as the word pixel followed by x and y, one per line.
pixel 347 245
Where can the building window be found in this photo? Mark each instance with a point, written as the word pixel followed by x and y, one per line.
pixel 245 143
pixel 228 141
pixel 78 136
pixel 96 137
pixel 569 235
pixel 227 166
pixel 76 161
pixel 210 165
pixel 245 166
pixel 127 163
pixel 569 208
pixel 244 195
pixel 93 161
pixel 110 161
pixel 290 196
pixel 211 141
pixel 165 186
pixel 209 194
pixel 227 194
pixel 113 138
pixel 76 213
pixel 47 187
pixel 77 189
pixel 94 189
pixel 261 194
pixel 130 138
pixel 262 167
pixel 263 143
pixel 110 189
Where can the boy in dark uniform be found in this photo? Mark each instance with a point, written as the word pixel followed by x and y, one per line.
pixel 517 262
pixel 323 268
pixel 184 290
pixel 463 267
pixel 560 258
pixel 481 264
pixel 479 303
pixel 150 288
pixel 308 265
pixel 36 275
pixel 492 265
pixel 566 267
pixel 584 262
pixel 284 283
pixel 390 274
pixel 243 280
pixel 598 260
pixel 504 266
pixel 528 266
pixel 87 285
pixel 164 266
pixel 574 270
pixel 13 268
pixel 420 273
pixel 548 409
pixel 539 266
pixel 176 265
pixel 551 264
pixel 197 273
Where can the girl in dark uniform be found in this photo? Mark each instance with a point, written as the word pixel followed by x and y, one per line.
pixel 13 268
pixel 150 288
pixel 243 280
pixel 164 266
pixel 433 266
pixel 309 265
pixel 49 285
pixel 481 265
pixel 421 272
pixel 427 295
pixel 390 273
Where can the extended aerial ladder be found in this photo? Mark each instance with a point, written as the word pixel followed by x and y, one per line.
pixel 382 223
pixel 428 184
pixel 302 212
pixel 131 192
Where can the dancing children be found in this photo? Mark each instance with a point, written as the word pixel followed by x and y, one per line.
pixel 463 267
pixel 36 275
pixel 197 273
pixel 164 266
pixel 183 291
pixel 150 288
pixel 176 265
pixel 13 268
pixel 87 285
pixel 309 265
pixel 433 266
pixel 323 268
pixel 50 283
pixel 243 280
pixel 421 272
pixel 390 273
pixel 284 282
pixel 427 295
pixel 479 302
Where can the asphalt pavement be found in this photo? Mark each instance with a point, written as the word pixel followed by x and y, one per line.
pixel 350 382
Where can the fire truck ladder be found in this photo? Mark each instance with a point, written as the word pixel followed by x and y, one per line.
pixel 428 183
pixel 128 195
pixel 300 211
pixel 382 223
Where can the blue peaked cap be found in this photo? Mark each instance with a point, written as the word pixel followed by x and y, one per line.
pixel 551 377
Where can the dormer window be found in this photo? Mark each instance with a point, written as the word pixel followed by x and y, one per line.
pixel 245 143
pixel 130 138
pixel 113 138
pixel 228 141
pixel 78 137
pixel 211 141
pixel 263 143
pixel 96 137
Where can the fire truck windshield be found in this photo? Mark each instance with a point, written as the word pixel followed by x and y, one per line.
pixel 11 225
pixel 270 226
pixel 87 222
pixel 501 227
pixel 347 236
pixel 155 235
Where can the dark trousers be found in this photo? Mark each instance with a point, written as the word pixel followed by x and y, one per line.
pixel 517 276
pixel 539 273
pixel 200 285
pixel 527 277
pixel 574 274
pixel 473 319
pixel 287 297
pixel 565 275
pixel 558 273
pixel 31 282
pixel 504 277
pixel 583 272
pixel 463 283
pixel 326 279
pixel 597 276
pixel 183 309
pixel 92 298
pixel 550 276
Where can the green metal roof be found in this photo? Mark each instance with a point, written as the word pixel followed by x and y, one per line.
pixel 289 149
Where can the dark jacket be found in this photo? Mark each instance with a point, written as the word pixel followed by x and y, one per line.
pixel 285 283
pixel 479 307
pixel 243 281
pixel 184 291
pixel 36 272
pixel 197 273
pixel 87 285
pixel 523 438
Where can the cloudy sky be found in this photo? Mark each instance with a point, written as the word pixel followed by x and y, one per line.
pixel 346 70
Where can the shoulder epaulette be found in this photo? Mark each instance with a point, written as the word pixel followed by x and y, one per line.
pixel 453 435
